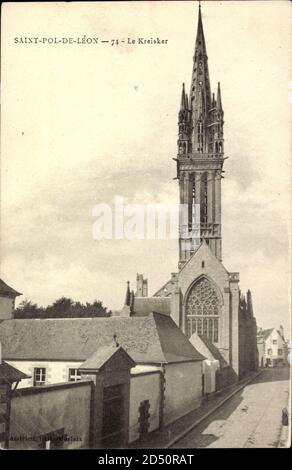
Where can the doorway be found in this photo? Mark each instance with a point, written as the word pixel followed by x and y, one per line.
pixel 113 417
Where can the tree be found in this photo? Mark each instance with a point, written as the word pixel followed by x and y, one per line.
pixel 27 309
pixel 62 308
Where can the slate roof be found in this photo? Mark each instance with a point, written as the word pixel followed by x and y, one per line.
pixel 265 333
pixel 174 343
pixel 11 374
pixel 165 290
pixel 102 355
pixel 150 339
pixel 214 351
pixel 6 290
pixel 145 305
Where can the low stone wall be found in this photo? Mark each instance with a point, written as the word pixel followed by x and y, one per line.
pixel 144 387
pixel 183 389
pixel 38 413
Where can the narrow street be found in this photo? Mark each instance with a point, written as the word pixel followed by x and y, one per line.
pixel 252 418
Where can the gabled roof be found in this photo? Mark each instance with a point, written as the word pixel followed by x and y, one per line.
pixel 11 374
pixel 7 291
pixel 145 305
pixel 103 355
pixel 265 333
pixel 165 290
pixel 175 345
pixel 203 245
pixel 150 339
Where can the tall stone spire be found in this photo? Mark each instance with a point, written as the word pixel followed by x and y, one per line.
pixel 184 124
pixel 200 156
pixel 219 101
pixel 183 98
pixel 200 93
pixel 249 303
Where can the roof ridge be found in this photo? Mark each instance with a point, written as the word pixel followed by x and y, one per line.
pixel 180 335
pixel 162 287
pixel 6 289
pixel 203 243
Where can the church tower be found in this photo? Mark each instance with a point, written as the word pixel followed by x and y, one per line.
pixel 200 158
pixel 205 299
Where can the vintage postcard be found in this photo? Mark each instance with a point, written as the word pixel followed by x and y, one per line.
pixel 145 227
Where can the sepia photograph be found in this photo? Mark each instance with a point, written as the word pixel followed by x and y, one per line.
pixel 145 283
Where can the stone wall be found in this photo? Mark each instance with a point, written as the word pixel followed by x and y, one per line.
pixel 38 411
pixel 183 389
pixel 144 387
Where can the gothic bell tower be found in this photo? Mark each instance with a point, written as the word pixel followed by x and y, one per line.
pixel 200 157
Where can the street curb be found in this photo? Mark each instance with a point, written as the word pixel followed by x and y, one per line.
pixel 199 421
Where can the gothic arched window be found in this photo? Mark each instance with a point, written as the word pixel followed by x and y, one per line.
pixel 202 310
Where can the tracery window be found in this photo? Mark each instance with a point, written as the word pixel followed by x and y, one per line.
pixel 202 311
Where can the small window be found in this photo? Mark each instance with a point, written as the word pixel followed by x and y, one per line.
pixel 274 341
pixel 39 376
pixel 280 352
pixel 270 352
pixel 74 375
pixel 203 264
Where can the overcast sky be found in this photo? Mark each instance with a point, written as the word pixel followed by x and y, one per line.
pixel 83 123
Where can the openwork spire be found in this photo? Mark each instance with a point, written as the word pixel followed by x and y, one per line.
pixel 200 93
pixel 200 155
